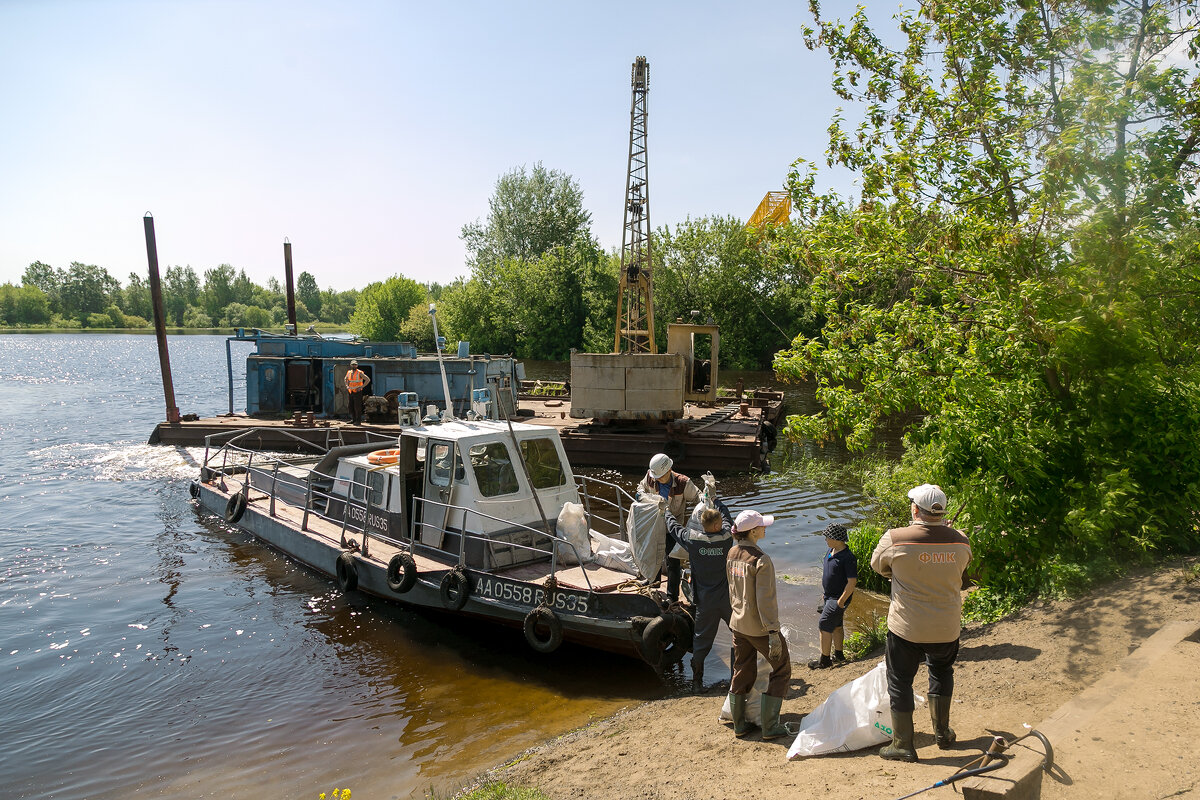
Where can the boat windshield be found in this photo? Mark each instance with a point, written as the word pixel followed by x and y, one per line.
pixel 493 469
pixel 545 468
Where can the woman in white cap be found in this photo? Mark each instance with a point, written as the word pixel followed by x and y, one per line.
pixel 680 495
pixel 755 626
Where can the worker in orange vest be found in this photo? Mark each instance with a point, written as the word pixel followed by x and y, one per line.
pixel 356 382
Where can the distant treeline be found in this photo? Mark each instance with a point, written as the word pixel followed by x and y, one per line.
pixel 87 296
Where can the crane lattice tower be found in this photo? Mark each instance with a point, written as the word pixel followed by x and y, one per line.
pixel 635 298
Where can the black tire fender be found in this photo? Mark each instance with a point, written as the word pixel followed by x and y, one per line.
pixel 346 570
pixel 194 490
pixel 455 589
pixel 659 641
pixel 401 573
pixel 680 641
pixel 235 507
pixel 543 615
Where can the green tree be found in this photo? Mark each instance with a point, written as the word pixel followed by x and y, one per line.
pixel 181 290
pixel 135 298
pixel 47 279
pixel 530 213
pixel 418 328
pixel 23 305
pixel 1017 283
pixel 86 289
pixel 383 308
pixel 307 291
pixel 218 289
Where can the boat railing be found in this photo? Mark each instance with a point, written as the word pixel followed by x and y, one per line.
pixel 556 544
pixel 599 507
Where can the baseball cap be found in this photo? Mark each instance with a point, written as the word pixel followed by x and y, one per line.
pixel 354 362
pixel 749 520
pixel 929 498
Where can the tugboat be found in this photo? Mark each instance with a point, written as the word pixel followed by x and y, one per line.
pixel 459 516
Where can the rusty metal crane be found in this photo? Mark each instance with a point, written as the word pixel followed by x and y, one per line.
pixel 635 297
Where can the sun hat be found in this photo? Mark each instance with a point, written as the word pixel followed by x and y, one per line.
pixel 749 520
pixel 660 465
pixel 929 498
pixel 837 532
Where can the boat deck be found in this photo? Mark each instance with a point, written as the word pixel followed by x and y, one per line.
pixel 584 578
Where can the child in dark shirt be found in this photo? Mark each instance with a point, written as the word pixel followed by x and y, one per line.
pixel 838 579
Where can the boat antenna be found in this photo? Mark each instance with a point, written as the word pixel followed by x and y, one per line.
pixel 437 345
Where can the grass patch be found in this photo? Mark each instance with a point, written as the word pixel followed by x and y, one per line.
pixel 495 790
pixel 867 639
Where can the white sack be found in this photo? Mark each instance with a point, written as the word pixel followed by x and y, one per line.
pixel 855 716
pixel 647 534
pixel 612 553
pixel 694 524
pixel 753 706
pixel 572 527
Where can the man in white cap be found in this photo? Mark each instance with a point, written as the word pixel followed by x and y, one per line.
pixel 755 626
pixel 925 562
pixel 680 495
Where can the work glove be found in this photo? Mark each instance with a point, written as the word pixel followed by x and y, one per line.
pixel 774 647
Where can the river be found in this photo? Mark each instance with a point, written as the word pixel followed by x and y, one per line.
pixel 149 649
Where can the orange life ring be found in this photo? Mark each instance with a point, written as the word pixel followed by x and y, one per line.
pixel 384 457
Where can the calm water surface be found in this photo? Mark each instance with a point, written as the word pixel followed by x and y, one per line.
pixel 149 649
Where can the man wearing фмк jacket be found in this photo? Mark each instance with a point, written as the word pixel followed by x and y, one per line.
pixel 706 550
pixel 755 626
pixel 925 562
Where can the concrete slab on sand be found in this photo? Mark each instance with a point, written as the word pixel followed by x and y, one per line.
pixel 1146 710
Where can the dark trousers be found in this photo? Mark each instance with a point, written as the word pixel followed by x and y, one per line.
pixel 356 407
pixel 903 658
pixel 709 614
pixel 745 665
pixel 674 577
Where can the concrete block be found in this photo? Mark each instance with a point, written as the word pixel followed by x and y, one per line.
pixel 610 376
pixel 657 375
pixel 1019 779
pixel 588 400
pixel 655 400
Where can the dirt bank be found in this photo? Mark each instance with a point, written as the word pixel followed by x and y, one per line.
pixel 1009 673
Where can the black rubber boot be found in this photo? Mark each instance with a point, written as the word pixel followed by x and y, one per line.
pixel 697 677
pixel 824 662
pixel 939 714
pixel 769 709
pixel 901 748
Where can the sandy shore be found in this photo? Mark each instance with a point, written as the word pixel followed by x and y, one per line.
pixel 1010 673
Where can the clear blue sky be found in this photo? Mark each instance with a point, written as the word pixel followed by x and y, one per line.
pixel 368 133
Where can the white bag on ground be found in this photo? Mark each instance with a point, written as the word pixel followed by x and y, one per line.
pixel 647 534
pixel 612 553
pixel 753 708
pixel 572 527
pixel 855 716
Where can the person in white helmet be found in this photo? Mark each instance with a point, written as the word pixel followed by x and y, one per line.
pixel 681 496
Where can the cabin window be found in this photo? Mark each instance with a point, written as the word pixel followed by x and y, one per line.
pixel 493 469
pixel 376 480
pixel 439 463
pixel 541 458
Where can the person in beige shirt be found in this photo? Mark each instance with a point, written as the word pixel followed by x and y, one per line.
pixel 754 623
pixel 925 562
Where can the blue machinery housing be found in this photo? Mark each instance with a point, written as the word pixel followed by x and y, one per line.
pixel 306 373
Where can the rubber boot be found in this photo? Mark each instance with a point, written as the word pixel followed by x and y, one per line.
pixel 737 709
pixel 939 713
pixel 901 748
pixel 674 578
pixel 769 708
pixel 697 677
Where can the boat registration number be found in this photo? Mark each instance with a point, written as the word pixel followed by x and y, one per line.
pixel 530 595
pixel 375 521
